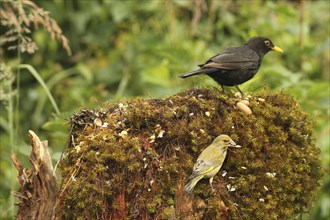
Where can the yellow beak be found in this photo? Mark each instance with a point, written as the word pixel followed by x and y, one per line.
pixel 277 49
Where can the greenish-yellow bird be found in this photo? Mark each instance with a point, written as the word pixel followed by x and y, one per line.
pixel 210 161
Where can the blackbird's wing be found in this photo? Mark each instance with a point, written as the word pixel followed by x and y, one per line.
pixel 234 58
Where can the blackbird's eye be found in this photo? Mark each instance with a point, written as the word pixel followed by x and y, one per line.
pixel 226 140
pixel 267 42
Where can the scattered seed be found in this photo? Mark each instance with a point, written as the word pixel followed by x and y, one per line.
pixel 152 139
pixel 161 134
pixel 98 122
pixel 123 134
pixel 272 175
pixel 241 106
pixel 231 188
pixel 246 102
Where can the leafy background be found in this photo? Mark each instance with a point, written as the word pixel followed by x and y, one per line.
pixel 131 48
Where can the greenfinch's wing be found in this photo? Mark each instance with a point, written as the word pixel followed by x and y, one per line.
pixel 208 160
pixel 202 167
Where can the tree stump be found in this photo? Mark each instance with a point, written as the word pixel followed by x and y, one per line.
pixel 37 196
pixel 130 160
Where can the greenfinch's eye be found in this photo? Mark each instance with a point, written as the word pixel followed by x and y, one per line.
pixel 267 42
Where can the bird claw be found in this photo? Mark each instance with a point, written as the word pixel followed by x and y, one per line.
pixel 211 180
pixel 238 95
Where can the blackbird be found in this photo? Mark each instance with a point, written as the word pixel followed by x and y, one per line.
pixel 236 65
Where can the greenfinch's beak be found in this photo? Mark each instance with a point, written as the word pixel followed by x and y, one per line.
pixel 233 144
pixel 277 49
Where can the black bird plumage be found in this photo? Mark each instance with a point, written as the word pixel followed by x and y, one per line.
pixel 236 65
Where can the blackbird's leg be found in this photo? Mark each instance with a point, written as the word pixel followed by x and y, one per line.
pixel 240 91
pixel 223 89
pixel 211 180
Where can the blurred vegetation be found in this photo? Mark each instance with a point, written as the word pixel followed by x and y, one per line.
pixel 138 48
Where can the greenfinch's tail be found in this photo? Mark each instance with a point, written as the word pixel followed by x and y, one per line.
pixel 191 184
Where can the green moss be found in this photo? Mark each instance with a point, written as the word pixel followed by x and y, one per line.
pixel 132 158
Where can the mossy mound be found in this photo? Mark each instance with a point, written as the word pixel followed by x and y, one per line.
pixel 131 160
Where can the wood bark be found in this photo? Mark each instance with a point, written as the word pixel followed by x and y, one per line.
pixel 38 187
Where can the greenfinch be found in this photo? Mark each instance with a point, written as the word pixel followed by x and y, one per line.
pixel 210 161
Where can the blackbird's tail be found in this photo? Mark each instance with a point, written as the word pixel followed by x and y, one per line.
pixel 197 72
